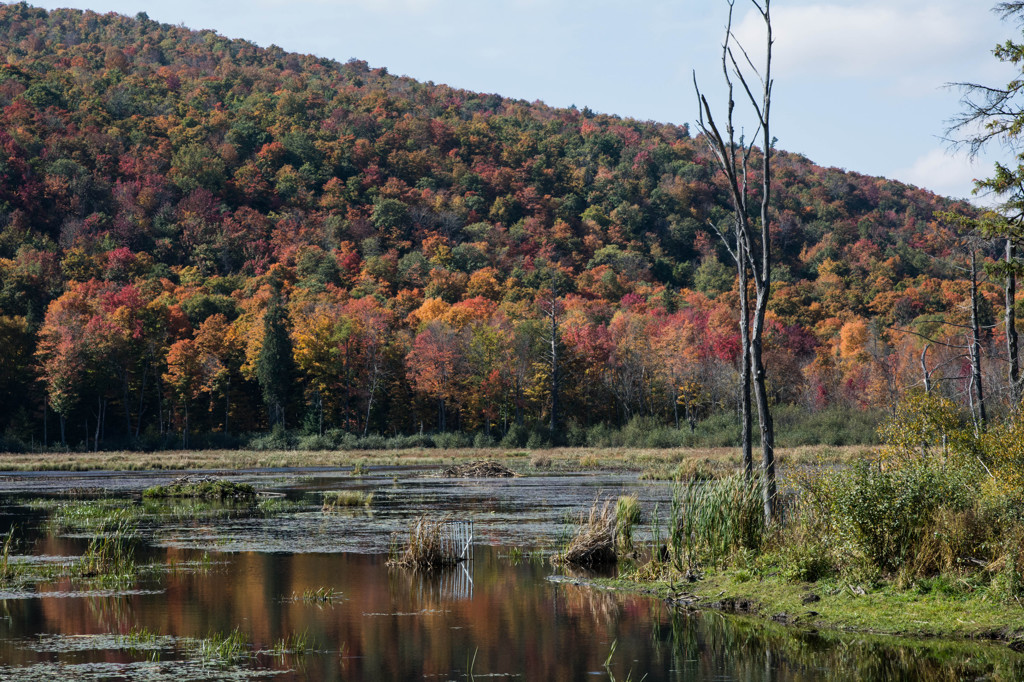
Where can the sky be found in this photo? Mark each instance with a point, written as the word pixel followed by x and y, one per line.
pixel 859 84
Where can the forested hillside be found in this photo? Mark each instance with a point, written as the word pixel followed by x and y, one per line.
pixel 201 238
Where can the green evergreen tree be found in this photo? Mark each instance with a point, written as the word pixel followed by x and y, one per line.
pixel 275 369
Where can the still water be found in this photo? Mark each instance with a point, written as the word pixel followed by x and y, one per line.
pixel 309 594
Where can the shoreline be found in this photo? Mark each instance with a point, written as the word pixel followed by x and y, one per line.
pixel 836 606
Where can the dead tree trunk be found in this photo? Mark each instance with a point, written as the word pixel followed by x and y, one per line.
pixel 751 249
pixel 552 313
pixel 746 414
pixel 1010 322
pixel 976 342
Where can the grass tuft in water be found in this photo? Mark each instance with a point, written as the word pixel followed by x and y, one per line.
pixel 321 595
pixel 425 546
pixel 346 498
pixel 110 556
pixel 204 490
pixel 627 515
pixel 297 643
pixel 593 544
pixel 221 649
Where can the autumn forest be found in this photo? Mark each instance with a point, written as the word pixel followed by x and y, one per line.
pixel 208 243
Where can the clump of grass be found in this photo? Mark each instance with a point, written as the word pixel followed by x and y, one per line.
pixel 691 469
pixel 321 595
pixel 346 498
pixel 7 571
pixel 711 520
pixel 594 543
pixel 589 462
pixel 359 469
pixel 222 649
pixel 540 462
pixel 207 489
pixel 295 643
pixel 141 638
pixel 101 515
pixel 111 555
pixel 627 515
pixel 425 546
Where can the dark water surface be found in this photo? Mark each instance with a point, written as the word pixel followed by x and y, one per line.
pixel 506 614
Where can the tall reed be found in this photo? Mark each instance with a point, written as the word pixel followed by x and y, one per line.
pixel 425 546
pixel 627 515
pixel 710 520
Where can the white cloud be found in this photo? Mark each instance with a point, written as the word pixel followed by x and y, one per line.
pixel 869 38
pixel 945 173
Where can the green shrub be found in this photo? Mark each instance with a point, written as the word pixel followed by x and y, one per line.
pixel 483 440
pixel 890 511
pixel 373 442
pixel 451 440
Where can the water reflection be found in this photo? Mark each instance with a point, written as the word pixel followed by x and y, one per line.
pixel 489 618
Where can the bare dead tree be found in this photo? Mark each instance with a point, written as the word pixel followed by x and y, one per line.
pixel 549 306
pixel 750 245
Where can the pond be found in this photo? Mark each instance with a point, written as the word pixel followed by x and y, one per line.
pixel 284 590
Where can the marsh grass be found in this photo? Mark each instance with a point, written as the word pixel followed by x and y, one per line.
pixel 713 519
pixel 220 648
pixel 346 498
pixel 203 490
pixel 593 544
pixel 99 515
pixel 424 545
pixel 111 555
pixel 565 458
pixel 297 643
pixel 627 515
pixel 7 568
pixel 321 595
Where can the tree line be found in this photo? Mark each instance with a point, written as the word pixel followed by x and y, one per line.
pixel 201 237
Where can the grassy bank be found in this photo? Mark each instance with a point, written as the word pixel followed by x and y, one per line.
pixel 654 462
pixel 925 537
pixel 944 611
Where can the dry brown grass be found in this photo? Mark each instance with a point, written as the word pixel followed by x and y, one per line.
pixel 424 547
pixel 567 459
pixel 594 543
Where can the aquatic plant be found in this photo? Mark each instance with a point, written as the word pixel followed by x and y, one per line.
pixel 111 555
pixel 321 595
pixel 6 567
pixel 427 545
pixel 206 489
pixel 627 515
pixel 295 643
pixel 711 520
pixel 346 498
pixel 593 544
pixel 221 649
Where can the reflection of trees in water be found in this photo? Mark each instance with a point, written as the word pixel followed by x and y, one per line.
pixel 705 642
pixel 589 603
